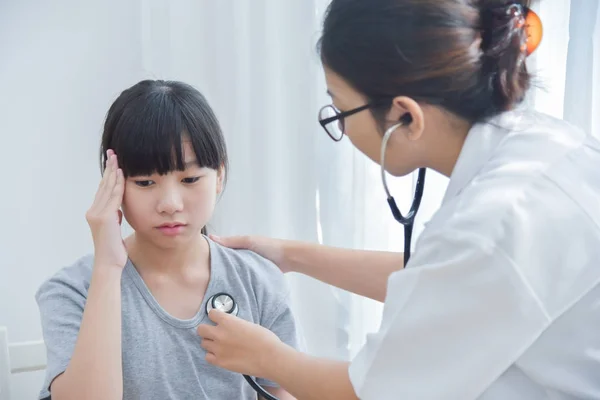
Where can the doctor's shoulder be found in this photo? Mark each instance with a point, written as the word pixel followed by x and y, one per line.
pixel 532 202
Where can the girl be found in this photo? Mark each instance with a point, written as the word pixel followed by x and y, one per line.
pixel 121 323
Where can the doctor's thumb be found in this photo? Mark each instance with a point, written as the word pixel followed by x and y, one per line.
pixel 217 316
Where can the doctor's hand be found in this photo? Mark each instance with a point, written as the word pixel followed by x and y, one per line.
pixel 270 248
pixel 238 345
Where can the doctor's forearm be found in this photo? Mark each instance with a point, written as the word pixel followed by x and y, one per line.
pixel 358 271
pixel 310 378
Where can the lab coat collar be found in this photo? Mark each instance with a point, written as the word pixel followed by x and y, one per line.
pixel 478 148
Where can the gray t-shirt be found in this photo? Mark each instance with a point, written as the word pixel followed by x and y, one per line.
pixel 162 357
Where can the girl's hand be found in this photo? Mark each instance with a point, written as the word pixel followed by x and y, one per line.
pixel 104 216
pixel 269 248
pixel 238 345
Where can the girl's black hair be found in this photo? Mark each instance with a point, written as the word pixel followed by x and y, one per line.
pixel 146 123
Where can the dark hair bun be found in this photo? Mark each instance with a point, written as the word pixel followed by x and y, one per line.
pixel 461 55
pixel 504 51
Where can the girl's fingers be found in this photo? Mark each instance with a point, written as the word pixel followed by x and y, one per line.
pixel 116 197
pixel 102 183
pixel 109 184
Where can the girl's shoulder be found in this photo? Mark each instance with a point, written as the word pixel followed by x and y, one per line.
pixel 245 262
pixel 70 280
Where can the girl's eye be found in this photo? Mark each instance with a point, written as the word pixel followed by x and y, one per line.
pixel 191 180
pixel 144 183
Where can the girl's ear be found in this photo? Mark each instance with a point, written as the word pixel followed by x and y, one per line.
pixel 220 178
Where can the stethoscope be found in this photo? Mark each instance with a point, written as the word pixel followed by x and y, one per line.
pixel 407 221
pixel 225 303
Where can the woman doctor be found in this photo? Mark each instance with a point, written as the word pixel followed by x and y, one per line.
pixel 501 298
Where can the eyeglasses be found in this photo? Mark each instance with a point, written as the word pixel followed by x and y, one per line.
pixel 332 120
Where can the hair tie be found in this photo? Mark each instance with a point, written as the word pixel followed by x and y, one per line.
pixel 533 30
pixel 510 22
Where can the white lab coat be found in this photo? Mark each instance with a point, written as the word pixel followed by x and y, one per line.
pixel 501 297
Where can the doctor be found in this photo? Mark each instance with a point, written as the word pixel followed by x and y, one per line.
pixel 501 297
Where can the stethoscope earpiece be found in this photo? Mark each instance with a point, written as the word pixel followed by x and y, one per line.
pixel 406 119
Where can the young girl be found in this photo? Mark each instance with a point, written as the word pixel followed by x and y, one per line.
pixel 122 323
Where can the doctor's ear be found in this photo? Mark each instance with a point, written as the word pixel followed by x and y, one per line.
pixel 410 114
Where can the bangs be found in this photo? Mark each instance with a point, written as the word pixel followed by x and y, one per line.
pixel 148 131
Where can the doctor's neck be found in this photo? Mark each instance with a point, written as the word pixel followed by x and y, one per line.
pixel 444 145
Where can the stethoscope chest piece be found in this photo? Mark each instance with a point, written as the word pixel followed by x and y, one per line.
pixel 222 302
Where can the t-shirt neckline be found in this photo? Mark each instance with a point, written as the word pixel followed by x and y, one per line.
pixel 160 311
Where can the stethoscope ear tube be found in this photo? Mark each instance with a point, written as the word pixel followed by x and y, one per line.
pixel 408 221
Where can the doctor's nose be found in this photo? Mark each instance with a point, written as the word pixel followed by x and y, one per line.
pixel 170 202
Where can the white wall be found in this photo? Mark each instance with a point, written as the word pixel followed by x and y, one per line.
pixel 61 67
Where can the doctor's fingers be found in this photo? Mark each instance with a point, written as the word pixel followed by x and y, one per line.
pixel 209 345
pixel 220 317
pixel 234 242
pixel 207 332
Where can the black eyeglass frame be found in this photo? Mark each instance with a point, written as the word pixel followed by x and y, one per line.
pixel 340 116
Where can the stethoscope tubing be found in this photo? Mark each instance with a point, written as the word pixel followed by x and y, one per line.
pixel 407 221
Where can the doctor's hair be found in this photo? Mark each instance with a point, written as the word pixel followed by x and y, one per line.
pixel 148 122
pixel 465 56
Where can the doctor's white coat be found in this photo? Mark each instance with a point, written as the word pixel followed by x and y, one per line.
pixel 501 297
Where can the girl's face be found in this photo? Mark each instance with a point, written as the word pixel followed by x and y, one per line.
pixel 170 209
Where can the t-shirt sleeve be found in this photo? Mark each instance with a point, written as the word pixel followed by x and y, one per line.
pixel 61 301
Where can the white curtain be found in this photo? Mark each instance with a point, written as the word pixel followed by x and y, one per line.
pixel 256 62
pixel 568 62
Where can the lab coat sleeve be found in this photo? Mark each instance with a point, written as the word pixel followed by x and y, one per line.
pixel 453 322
